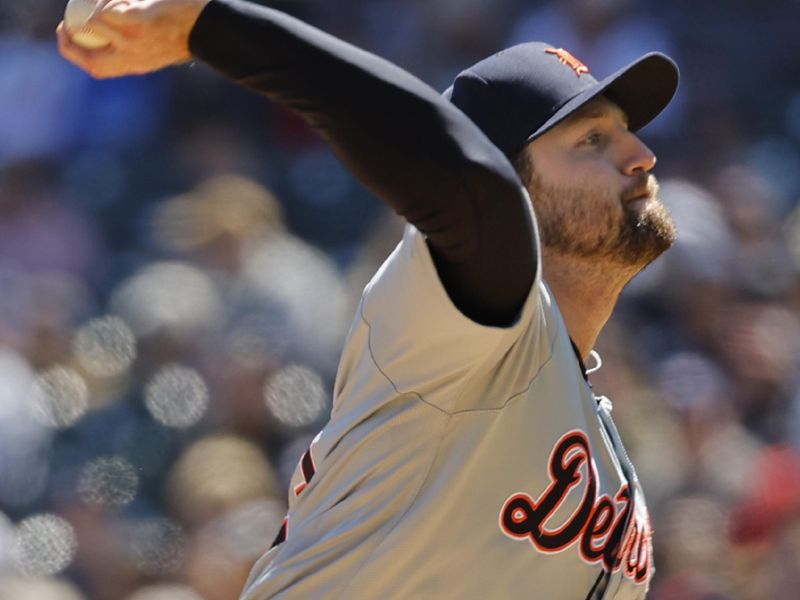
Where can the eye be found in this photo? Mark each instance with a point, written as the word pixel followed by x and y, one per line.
pixel 593 139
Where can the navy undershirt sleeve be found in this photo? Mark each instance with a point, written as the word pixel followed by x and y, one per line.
pixel 400 138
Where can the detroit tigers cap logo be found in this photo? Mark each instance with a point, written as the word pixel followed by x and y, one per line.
pixel 568 59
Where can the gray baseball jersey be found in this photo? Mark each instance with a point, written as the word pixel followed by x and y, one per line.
pixel 460 461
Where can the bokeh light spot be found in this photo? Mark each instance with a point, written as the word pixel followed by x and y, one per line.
pixel 108 481
pixel 217 473
pixel 295 396
pixel 59 397
pixel 105 347
pixel 44 545
pixel 176 298
pixel 157 546
pixel 177 396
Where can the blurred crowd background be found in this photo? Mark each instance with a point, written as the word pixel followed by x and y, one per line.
pixel 180 261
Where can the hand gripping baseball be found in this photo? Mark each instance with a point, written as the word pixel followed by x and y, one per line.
pixel 145 36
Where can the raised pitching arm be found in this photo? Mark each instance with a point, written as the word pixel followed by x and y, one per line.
pixel 400 138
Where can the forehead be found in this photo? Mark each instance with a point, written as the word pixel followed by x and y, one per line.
pixel 597 108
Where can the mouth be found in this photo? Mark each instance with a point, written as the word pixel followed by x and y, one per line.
pixel 636 200
pixel 640 198
pixel 640 194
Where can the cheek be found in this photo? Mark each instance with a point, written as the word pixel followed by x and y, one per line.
pixel 595 191
pixel 586 173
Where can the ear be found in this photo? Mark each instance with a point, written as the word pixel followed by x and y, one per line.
pixel 522 162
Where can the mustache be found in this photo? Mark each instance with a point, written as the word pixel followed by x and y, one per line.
pixel 643 185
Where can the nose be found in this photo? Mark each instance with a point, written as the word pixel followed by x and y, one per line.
pixel 638 156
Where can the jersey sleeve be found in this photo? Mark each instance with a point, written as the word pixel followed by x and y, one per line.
pixel 413 149
pixel 421 341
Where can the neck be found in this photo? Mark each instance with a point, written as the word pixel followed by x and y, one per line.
pixel 586 292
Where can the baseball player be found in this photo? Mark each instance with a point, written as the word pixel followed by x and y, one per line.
pixel 466 455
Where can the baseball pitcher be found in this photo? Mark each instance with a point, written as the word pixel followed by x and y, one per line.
pixel 466 455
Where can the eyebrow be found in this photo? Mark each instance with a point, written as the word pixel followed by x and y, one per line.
pixel 595 112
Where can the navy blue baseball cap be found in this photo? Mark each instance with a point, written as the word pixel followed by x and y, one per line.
pixel 521 92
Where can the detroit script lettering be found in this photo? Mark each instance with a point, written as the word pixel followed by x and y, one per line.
pixel 598 525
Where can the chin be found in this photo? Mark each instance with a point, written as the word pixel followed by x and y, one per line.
pixel 647 234
pixel 657 218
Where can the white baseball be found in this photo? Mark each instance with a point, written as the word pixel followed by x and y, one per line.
pixel 75 17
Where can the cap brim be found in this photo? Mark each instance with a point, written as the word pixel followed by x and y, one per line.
pixel 642 90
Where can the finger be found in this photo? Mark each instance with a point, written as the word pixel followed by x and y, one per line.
pixel 106 4
pixel 115 35
pixel 91 61
pixel 118 13
pixel 69 50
